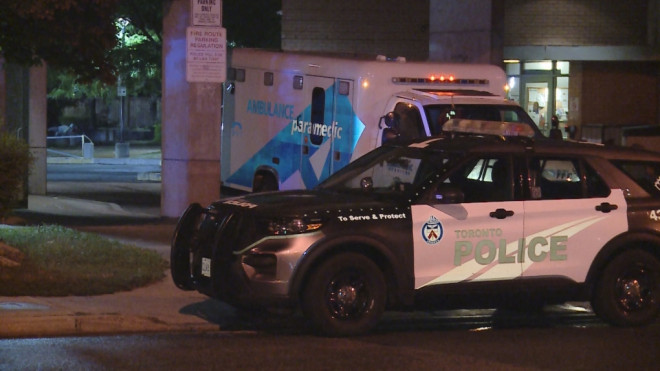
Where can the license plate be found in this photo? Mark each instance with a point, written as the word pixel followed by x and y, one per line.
pixel 206 267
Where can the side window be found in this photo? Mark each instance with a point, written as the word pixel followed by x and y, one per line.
pixel 318 110
pixel 563 178
pixel 484 179
pixel 410 121
pixel 596 186
pixel 554 179
pixel 645 173
pixel 511 116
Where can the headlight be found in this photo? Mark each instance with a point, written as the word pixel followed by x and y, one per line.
pixel 292 226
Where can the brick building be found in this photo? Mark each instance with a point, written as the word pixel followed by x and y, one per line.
pixel 594 63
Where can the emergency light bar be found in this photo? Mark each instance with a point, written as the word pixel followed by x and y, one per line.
pixel 436 80
pixel 506 129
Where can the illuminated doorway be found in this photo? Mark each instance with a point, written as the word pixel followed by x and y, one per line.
pixel 541 88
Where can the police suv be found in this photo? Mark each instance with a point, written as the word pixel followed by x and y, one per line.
pixel 455 220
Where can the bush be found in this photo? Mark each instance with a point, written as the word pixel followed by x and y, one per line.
pixel 15 160
pixel 157 133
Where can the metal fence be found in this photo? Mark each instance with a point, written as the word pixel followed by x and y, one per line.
pixel 610 133
pixel 67 146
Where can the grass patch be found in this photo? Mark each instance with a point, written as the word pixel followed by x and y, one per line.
pixel 60 261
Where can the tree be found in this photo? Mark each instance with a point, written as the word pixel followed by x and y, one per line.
pixel 15 159
pixel 103 39
pixel 136 57
pixel 74 35
pixel 89 44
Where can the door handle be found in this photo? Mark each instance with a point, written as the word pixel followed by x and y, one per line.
pixel 606 207
pixel 501 213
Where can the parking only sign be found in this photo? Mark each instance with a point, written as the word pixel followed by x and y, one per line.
pixel 206 54
pixel 206 12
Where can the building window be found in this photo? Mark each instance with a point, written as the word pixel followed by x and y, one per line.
pixel 563 67
pixel 538 66
pixel 268 78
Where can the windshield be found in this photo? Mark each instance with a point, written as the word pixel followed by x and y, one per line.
pixel 438 114
pixel 390 170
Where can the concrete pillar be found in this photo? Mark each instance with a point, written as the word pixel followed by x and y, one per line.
pixel 23 105
pixel 37 129
pixel 191 119
pixel 16 94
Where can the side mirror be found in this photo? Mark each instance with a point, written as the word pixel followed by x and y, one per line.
pixel 390 120
pixel 447 194
pixel 390 125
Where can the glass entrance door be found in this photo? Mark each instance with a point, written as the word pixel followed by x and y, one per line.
pixel 536 100
pixel 543 91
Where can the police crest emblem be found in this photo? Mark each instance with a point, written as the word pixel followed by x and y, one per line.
pixel 432 231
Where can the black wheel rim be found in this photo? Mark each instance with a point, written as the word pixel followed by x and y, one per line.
pixel 348 296
pixel 635 289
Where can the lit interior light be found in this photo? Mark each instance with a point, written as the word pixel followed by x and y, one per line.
pixel 365 83
pixel 451 78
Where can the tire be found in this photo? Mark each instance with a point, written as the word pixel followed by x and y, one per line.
pixel 264 183
pixel 181 247
pixel 628 290
pixel 345 295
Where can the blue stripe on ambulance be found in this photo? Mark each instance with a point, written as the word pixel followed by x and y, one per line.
pixel 287 145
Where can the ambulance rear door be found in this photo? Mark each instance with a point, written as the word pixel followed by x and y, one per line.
pixel 327 139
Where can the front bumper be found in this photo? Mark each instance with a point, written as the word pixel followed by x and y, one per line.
pixel 220 253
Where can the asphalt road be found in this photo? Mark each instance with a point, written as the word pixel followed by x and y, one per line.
pixel 435 348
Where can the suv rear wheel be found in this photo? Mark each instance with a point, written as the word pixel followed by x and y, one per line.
pixel 345 295
pixel 264 182
pixel 628 291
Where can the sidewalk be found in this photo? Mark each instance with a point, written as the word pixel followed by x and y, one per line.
pixel 158 307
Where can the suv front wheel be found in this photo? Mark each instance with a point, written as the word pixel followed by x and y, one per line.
pixel 628 291
pixel 345 295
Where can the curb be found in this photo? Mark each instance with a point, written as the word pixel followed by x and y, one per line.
pixel 22 326
pixel 152 176
pixel 69 160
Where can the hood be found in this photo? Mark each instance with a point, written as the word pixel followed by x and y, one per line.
pixel 300 202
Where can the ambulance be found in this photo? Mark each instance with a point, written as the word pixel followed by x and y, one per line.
pixel 291 119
